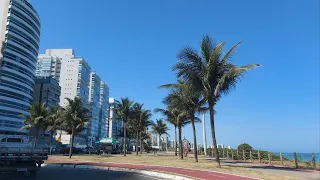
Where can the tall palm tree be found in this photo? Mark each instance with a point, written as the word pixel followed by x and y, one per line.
pixel 160 128
pixel 36 119
pixel 123 111
pixel 144 123
pixel 171 117
pixel 191 103
pixel 54 122
pixel 172 100
pixel 77 117
pixel 211 73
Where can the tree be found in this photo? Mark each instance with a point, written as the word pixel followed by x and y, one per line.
pixel 173 102
pixel 36 119
pixel 160 128
pixel 191 103
pixel 77 117
pixel 244 147
pixel 54 121
pixel 139 121
pixel 145 121
pixel 123 111
pixel 171 117
pixel 211 73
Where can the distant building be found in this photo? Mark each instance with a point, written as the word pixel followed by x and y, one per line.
pixel 72 73
pixel 46 90
pixel 94 103
pixel 103 110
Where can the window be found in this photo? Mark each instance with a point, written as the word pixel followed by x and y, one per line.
pixel 14 140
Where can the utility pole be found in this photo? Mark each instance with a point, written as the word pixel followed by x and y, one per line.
pixel 204 134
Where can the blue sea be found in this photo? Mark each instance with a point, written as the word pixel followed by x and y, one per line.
pixel 304 157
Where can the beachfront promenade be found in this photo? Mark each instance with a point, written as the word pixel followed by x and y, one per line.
pixel 204 169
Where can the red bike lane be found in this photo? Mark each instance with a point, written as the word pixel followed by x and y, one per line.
pixel 191 173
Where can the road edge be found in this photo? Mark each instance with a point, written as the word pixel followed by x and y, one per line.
pixel 138 171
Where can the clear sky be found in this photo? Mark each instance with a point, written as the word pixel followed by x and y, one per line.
pixel 133 45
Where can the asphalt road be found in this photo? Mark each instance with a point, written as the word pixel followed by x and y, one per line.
pixel 56 173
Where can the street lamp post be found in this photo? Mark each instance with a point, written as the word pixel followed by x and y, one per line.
pixel 204 134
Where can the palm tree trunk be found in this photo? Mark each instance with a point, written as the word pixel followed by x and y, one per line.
pixel 213 132
pixel 175 139
pixel 180 142
pixel 137 142
pixel 140 142
pixel 36 138
pixel 71 144
pixel 51 142
pixel 124 139
pixel 195 148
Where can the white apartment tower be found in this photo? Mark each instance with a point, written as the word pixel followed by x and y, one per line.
pixel 72 73
pixel 94 102
pixel 19 45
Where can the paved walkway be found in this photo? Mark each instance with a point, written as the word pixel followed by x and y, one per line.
pixel 197 174
pixel 276 169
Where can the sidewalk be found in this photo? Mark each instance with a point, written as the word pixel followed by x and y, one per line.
pixel 191 173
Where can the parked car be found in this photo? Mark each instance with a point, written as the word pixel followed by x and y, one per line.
pixel 64 149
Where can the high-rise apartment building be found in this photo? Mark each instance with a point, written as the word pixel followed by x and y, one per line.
pixel 72 73
pixel 104 110
pixel 48 66
pixel 19 44
pixel 94 102
pixel 47 91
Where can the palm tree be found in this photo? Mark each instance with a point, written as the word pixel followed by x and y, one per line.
pixel 211 73
pixel 77 117
pixel 36 119
pixel 54 122
pixel 171 117
pixel 191 103
pixel 160 128
pixel 139 122
pixel 172 100
pixel 123 111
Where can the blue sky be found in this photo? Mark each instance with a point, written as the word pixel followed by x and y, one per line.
pixel 133 45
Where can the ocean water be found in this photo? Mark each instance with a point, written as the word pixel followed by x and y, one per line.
pixel 304 157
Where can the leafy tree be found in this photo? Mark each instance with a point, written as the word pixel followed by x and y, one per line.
pixel 174 105
pixel 244 147
pixel 77 117
pixel 171 117
pixel 190 103
pixel 36 119
pixel 123 110
pixel 160 128
pixel 54 121
pixel 211 73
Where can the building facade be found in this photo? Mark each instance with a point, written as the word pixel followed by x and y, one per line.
pixel 48 66
pixel 94 103
pixel 72 73
pixel 47 91
pixel 19 44
pixel 104 110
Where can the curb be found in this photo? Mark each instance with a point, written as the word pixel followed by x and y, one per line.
pixel 143 172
